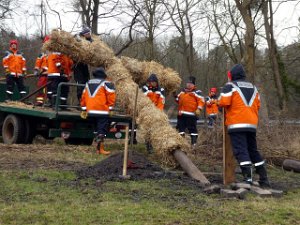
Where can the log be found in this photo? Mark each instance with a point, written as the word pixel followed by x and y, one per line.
pixel 291 165
pixel 189 167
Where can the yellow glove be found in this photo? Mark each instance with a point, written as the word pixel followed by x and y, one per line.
pixel 197 112
pixel 111 113
pixel 83 114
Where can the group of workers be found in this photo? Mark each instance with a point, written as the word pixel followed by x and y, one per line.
pixel 239 98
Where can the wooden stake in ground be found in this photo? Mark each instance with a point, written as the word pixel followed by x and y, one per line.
pixel 124 174
pixel 228 157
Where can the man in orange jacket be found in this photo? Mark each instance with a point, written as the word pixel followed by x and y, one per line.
pixel 97 99
pixel 15 68
pixel 241 102
pixel 157 95
pixel 190 103
pixel 59 70
pixel 212 107
pixel 41 71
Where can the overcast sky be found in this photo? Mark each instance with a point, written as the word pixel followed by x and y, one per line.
pixel 285 18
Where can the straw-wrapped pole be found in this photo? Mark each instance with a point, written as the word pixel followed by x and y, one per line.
pixel 153 122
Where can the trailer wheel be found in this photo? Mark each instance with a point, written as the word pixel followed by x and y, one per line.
pixel 29 133
pixel 13 130
pixel 79 141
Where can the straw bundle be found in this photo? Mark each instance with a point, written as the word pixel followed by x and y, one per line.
pixel 168 78
pixel 153 122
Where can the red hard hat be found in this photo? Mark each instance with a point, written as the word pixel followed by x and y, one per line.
pixel 46 38
pixel 213 89
pixel 229 75
pixel 11 42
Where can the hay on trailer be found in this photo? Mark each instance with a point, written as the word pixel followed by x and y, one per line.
pixel 153 122
pixel 168 78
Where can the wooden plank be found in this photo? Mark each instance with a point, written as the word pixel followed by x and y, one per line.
pixel 125 159
pixel 228 157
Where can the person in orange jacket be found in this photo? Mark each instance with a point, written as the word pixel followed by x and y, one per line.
pixel 15 68
pixel 190 103
pixel 59 70
pixel 241 102
pixel 212 108
pixel 98 99
pixel 157 95
pixel 41 71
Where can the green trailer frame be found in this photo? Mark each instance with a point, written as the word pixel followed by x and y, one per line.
pixel 20 123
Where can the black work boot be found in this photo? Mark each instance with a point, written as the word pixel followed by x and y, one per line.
pixel 247 173
pixel 194 141
pixel 9 97
pixel 263 177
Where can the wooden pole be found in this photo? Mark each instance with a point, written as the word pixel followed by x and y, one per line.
pixel 228 157
pixel 124 174
pixel 189 167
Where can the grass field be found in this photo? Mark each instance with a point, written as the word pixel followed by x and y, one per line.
pixel 38 185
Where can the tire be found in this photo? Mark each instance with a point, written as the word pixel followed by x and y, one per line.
pixel 79 141
pixel 29 133
pixel 13 130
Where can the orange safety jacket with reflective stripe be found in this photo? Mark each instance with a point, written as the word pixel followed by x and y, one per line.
pixel 41 63
pixel 98 97
pixel 189 102
pixel 241 102
pixel 14 63
pixel 156 95
pixel 211 105
pixel 59 65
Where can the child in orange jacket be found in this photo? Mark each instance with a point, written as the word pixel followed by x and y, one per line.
pixel 97 99
pixel 15 68
pixel 212 107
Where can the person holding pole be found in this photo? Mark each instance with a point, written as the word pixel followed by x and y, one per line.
pixel 241 102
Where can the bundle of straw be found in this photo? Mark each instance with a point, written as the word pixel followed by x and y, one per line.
pixel 153 122
pixel 168 78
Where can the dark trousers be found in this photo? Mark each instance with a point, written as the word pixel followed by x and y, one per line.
pixel 187 122
pixel 212 120
pixel 245 148
pixel 81 76
pixel 102 125
pixel 52 89
pixel 11 80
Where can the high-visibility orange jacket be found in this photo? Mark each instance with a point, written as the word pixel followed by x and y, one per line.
pixel 41 63
pixel 189 101
pixel 98 97
pixel 156 95
pixel 241 102
pixel 59 65
pixel 14 63
pixel 211 105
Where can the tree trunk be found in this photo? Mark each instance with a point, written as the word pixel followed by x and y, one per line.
pixel 291 165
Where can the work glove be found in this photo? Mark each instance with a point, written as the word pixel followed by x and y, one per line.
pixel 36 73
pixel 83 114
pixel 197 112
pixel 111 113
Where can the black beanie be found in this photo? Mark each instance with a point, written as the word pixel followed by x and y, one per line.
pixel 99 73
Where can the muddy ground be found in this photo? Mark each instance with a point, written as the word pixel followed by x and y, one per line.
pixel 59 157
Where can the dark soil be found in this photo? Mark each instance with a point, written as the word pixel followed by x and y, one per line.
pixel 111 169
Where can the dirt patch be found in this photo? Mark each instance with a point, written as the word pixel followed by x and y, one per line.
pixel 111 169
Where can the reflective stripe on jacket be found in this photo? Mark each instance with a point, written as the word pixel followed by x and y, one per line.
pixel 59 65
pixel 211 106
pixel 14 63
pixel 98 97
pixel 157 96
pixel 241 102
pixel 189 102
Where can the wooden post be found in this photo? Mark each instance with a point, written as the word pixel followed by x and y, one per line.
pixel 228 157
pixel 124 174
pixel 189 167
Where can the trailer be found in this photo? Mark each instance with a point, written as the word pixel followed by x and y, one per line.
pixel 21 122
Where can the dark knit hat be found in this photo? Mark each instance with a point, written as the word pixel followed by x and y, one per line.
pixel 237 72
pixel 99 73
pixel 85 30
pixel 192 80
